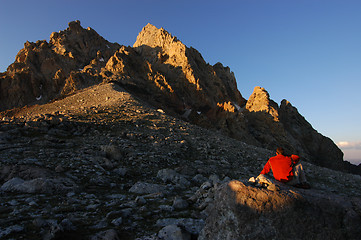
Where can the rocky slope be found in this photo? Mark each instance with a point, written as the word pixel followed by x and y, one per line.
pixel 103 164
pixel 165 73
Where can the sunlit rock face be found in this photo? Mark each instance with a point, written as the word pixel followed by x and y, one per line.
pixel 241 211
pixel 260 101
pixel 166 74
pixel 182 71
pixel 43 71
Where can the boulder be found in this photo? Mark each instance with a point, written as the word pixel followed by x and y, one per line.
pixel 191 225
pixel 112 152
pixel 10 229
pixel 173 232
pixel 147 188
pixel 110 234
pixel 240 211
pixel 38 185
pixel 180 204
pixel 170 175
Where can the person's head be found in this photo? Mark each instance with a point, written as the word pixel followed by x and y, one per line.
pixel 280 151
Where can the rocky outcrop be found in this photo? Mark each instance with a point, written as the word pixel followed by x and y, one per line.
pixel 283 125
pixel 42 70
pixel 263 120
pixel 183 80
pixel 241 211
pixel 159 68
pixel 321 150
pixel 260 102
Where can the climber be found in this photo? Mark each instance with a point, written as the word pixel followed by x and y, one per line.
pixel 286 169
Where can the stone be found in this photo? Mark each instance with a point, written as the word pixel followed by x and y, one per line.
pixel 12 185
pixel 59 169
pixel 38 185
pixel 110 234
pixel 39 222
pixel 166 208
pixel 169 175
pixel 117 222
pixel 140 200
pixel 180 204
pixel 173 232
pixel 191 225
pixel 147 188
pixel 206 185
pixel 112 152
pixel 55 231
pixel 11 229
pixel 120 171
pixel 101 224
pixel 199 178
pixel 68 225
pixel 214 179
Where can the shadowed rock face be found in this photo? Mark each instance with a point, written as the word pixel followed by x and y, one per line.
pixel 245 212
pixel 322 150
pixel 164 72
pixel 283 125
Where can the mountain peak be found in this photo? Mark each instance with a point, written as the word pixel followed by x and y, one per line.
pixel 260 101
pixel 74 26
pixel 155 37
pixel 162 71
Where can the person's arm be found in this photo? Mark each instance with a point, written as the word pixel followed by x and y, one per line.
pixel 295 159
pixel 266 168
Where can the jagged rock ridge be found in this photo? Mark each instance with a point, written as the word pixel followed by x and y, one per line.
pixel 43 71
pixel 163 71
pixel 103 164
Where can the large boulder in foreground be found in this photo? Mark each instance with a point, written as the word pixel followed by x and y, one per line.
pixel 245 212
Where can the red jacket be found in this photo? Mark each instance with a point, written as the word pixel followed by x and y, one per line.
pixel 281 167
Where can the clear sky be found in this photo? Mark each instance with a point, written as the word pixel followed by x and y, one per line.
pixel 305 51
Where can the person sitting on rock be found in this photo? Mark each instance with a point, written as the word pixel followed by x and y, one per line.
pixel 286 169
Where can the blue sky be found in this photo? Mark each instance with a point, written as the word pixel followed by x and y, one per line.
pixel 305 51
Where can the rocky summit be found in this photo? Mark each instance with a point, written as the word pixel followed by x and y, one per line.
pixel 104 141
